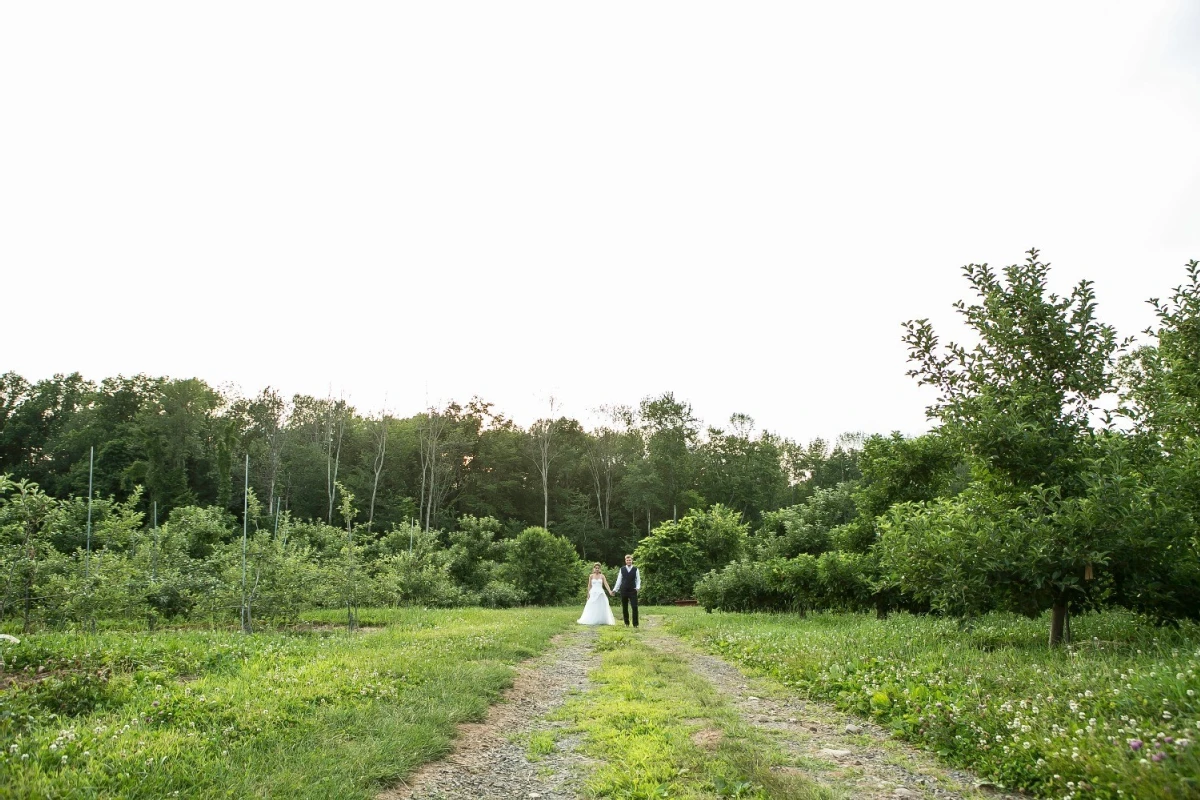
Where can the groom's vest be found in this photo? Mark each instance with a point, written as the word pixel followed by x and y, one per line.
pixel 628 581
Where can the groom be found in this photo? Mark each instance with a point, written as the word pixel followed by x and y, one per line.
pixel 629 581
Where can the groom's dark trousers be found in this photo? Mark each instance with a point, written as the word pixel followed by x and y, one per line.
pixel 628 600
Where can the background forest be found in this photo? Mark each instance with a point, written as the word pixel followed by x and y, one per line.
pixel 431 506
pixel 1061 474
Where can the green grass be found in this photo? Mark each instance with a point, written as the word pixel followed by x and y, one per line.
pixel 1114 715
pixel 661 731
pixel 305 713
pixel 541 743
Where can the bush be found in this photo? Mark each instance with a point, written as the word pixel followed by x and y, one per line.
pixel 169 600
pixel 740 586
pixel 202 529
pixel 677 554
pixel 798 580
pixel 544 566
pixel 411 580
pixel 846 580
pixel 474 551
pixel 835 580
pixel 806 528
pixel 498 594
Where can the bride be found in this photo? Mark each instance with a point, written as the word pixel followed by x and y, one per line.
pixel 596 611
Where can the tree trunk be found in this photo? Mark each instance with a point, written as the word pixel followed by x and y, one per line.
pixel 881 606
pixel 1058 619
pixel 275 441
pixel 608 498
pixel 599 505
pixel 421 507
pixel 28 605
pixel 351 580
pixel 337 458
pixel 430 436
pixel 594 465
pixel 334 428
pixel 542 433
pixel 381 434
pixel 432 492
pixel 31 550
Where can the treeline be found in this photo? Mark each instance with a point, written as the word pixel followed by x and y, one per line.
pixel 1030 495
pixel 452 506
pixel 1062 474
pixel 185 443
pixel 252 555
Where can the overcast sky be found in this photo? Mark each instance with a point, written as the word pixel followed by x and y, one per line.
pixel 737 202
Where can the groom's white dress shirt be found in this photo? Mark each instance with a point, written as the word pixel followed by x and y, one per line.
pixel 637 584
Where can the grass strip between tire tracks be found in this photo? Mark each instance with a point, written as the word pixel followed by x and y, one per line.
pixel 662 731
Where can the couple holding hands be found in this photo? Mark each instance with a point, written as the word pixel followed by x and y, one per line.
pixel 596 610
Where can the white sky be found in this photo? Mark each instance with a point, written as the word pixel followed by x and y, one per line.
pixel 738 202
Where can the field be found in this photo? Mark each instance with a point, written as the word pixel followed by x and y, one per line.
pixel 1114 715
pixel 316 712
pixel 307 713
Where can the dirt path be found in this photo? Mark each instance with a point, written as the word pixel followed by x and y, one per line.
pixel 493 759
pixel 842 752
pixel 519 752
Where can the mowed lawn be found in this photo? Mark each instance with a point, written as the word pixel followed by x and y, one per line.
pixel 309 713
pixel 1116 714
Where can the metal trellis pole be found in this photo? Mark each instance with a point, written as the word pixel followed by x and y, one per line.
pixel 154 558
pixel 245 529
pixel 87 558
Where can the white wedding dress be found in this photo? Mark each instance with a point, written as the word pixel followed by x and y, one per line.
pixel 597 611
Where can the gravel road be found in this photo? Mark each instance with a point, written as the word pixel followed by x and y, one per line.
pixel 493 759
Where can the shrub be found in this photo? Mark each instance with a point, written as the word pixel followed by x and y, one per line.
pixel 740 586
pixel 409 579
pixel 805 528
pixel 498 594
pixel 474 551
pixel 544 566
pixel 845 580
pixel 201 528
pixel 169 600
pixel 835 580
pixel 798 580
pixel 677 554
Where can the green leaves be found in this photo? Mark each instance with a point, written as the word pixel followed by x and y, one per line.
pixel 677 554
pixel 544 566
pixel 1019 404
pixel 1021 398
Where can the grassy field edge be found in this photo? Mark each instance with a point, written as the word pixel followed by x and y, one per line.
pixel 314 714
